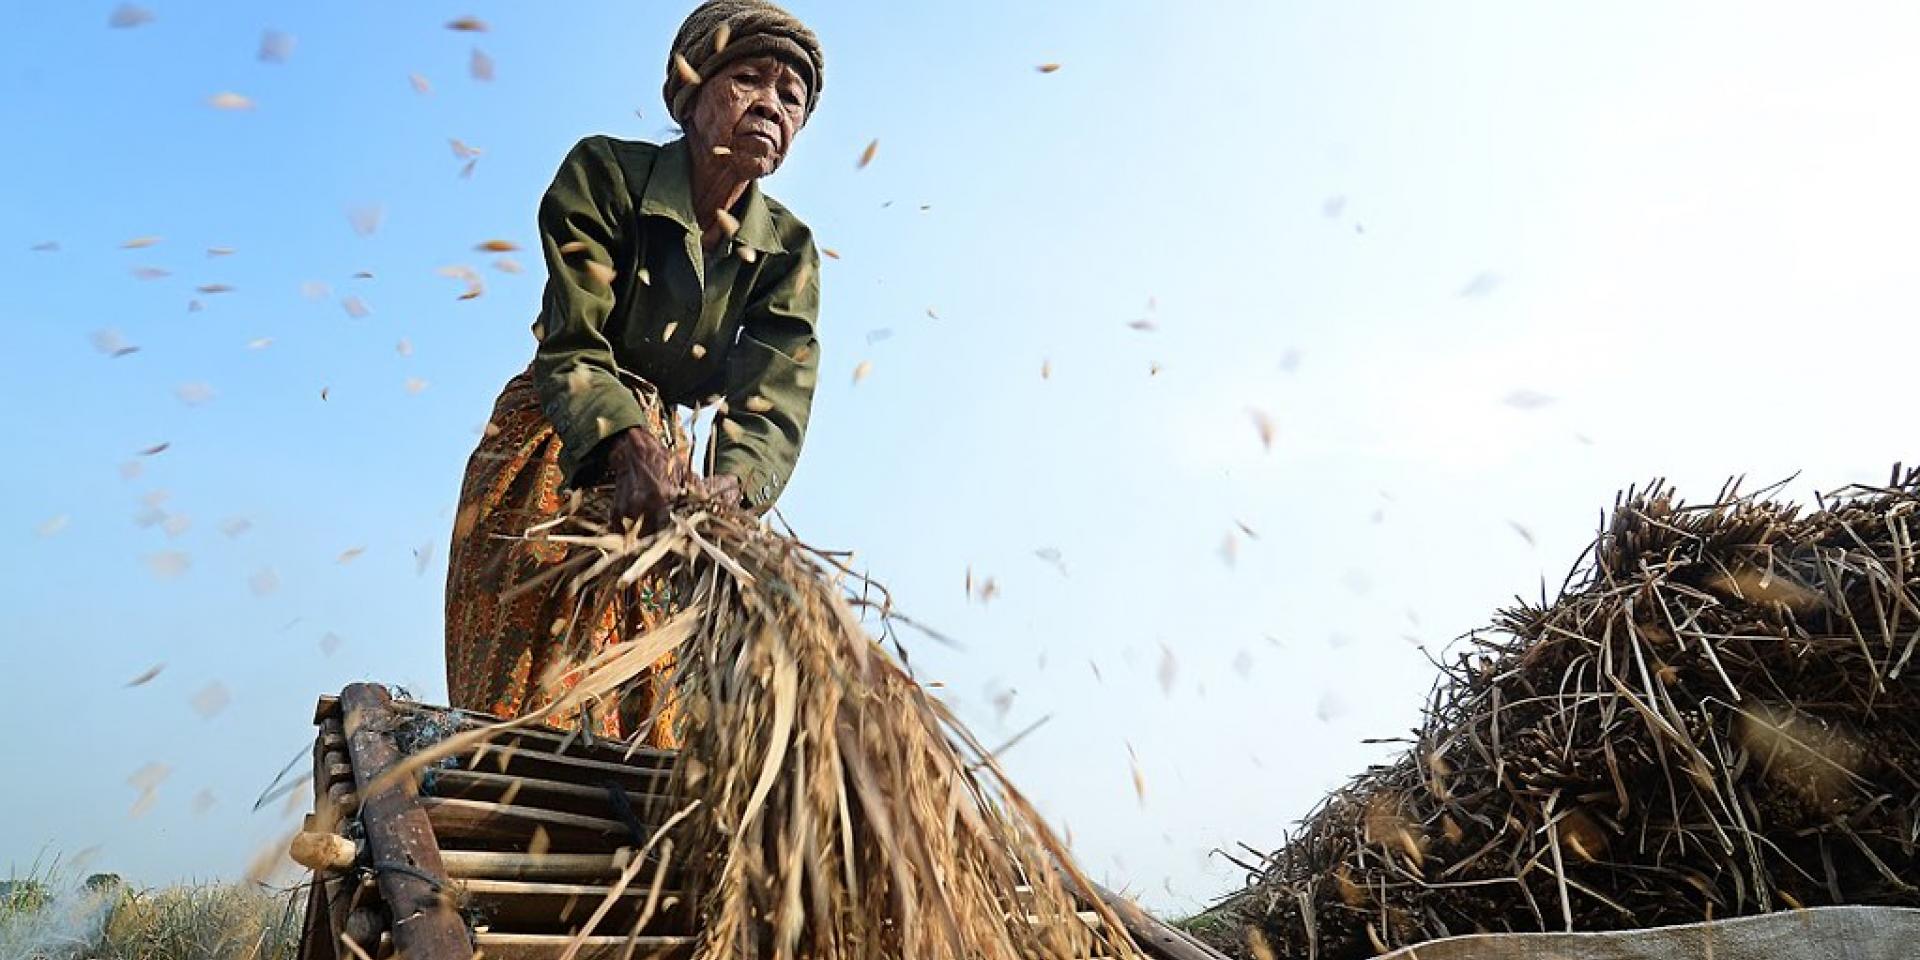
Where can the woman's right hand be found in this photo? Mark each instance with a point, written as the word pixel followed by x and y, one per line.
pixel 646 476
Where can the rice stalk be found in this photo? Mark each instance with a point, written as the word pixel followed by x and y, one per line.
pixel 1711 719
pixel 832 808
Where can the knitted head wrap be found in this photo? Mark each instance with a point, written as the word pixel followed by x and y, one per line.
pixel 718 32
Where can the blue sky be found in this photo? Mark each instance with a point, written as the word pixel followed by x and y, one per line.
pixel 1479 266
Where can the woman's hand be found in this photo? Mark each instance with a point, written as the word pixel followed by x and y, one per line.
pixel 646 477
pixel 723 487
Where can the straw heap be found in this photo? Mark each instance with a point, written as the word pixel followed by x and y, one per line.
pixel 1714 718
pixel 832 809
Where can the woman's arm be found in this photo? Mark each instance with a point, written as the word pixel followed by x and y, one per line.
pixel 583 219
pixel 770 378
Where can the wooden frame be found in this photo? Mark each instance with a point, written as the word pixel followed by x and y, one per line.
pixel 508 850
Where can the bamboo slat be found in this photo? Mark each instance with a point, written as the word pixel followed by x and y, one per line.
pixel 564 907
pixel 495 865
pixel 510 759
pixel 1087 917
pixel 473 820
pixel 540 792
pixel 548 739
pixel 546 946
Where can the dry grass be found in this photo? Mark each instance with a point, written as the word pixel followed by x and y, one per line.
pixel 827 807
pixel 1714 718
pixel 46 919
pixel 203 922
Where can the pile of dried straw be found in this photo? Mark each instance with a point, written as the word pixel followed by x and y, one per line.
pixel 827 806
pixel 1714 718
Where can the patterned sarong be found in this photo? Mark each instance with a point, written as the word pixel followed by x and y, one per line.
pixel 504 653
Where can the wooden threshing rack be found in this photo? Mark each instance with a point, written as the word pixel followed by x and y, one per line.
pixel 507 851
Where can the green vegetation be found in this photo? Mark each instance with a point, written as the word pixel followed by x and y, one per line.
pixel 1207 926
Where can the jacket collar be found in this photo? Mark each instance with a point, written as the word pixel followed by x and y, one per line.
pixel 669 194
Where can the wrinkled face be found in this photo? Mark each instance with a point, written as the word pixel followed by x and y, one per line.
pixel 752 109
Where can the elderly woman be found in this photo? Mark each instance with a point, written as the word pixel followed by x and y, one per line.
pixel 671 280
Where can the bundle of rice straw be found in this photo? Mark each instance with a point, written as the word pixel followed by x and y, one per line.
pixel 1713 718
pixel 828 807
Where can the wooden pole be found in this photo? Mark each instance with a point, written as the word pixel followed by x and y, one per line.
pixel 327 909
pixel 404 855
pixel 1156 938
pixel 316 936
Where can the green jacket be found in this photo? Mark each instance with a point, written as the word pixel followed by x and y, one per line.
pixel 747 334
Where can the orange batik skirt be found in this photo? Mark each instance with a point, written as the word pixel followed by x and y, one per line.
pixel 508 651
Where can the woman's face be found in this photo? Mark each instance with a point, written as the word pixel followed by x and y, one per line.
pixel 751 111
